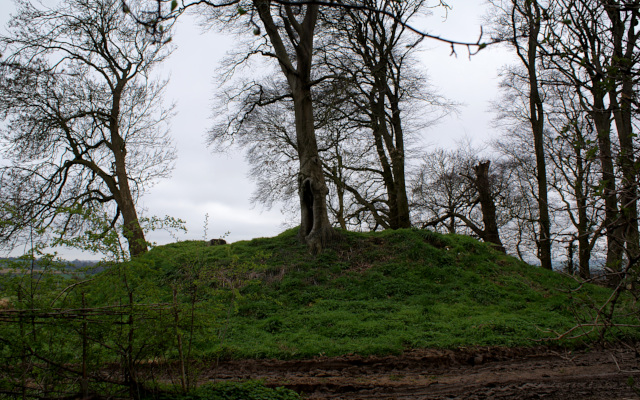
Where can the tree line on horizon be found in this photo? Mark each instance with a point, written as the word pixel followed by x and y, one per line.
pixel 330 128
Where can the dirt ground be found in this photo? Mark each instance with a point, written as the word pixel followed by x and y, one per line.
pixel 481 373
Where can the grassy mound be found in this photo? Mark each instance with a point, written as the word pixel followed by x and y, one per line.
pixel 368 293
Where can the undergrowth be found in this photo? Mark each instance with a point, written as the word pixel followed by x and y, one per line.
pixel 379 293
pixel 182 305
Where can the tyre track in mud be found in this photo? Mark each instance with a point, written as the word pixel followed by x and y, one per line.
pixel 480 373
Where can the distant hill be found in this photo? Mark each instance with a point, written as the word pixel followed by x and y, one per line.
pixel 73 265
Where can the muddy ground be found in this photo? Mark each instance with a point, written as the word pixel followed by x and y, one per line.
pixel 482 373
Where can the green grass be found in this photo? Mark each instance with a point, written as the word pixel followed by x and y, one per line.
pixel 368 293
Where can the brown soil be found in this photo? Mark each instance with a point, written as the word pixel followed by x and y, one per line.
pixel 483 373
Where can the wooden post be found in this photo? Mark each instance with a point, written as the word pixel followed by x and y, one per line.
pixel 84 384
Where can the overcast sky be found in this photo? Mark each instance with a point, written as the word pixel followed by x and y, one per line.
pixel 217 184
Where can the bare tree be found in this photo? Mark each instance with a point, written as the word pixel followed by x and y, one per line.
pixel 365 85
pixel 286 35
pixel 441 191
pixel 457 191
pixel 289 30
pixel 623 19
pixel 572 149
pixel 574 69
pixel 85 128
pixel 371 53
pixel 521 23
pixel 521 234
pixel 261 123
pixel 594 45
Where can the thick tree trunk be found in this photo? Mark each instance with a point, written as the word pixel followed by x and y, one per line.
pixel 132 230
pixel 622 105
pixel 629 186
pixel 584 256
pixel 544 222
pixel 379 130
pixel 532 13
pixel 451 227
pixel 398 162
pixel 483 185
pixel 315 228
pixel 602 120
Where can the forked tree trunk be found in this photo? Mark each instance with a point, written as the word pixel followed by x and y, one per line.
pixel 615 240
pixel 483 185
pixel 389 141
pixel 398 162
pixel 376 45
pixel 315 228
pixel 392 165
pixel 380 133
pixel 531 11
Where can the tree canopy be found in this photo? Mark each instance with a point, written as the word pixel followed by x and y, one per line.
pixel 85 126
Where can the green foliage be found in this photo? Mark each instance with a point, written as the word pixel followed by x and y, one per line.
pixel 126 315
pixel 98 235
pixel 371 294
pixel 34 327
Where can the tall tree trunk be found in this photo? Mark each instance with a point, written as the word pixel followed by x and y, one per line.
pixel 629 186
pixel 315 228
pixel 377 47
pixel 398 162
pixel 621 102
pixel 533 16
pixel 380 137
pixel 584 248
pixel 390 148
pixel 602 121
pixel 132 230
